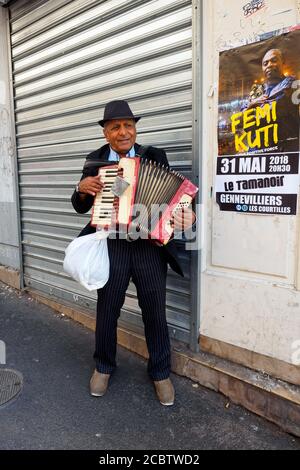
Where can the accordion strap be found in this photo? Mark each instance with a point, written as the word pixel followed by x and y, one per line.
pixel 142 151
pixel 99 163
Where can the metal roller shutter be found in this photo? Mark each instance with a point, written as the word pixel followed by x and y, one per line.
pixel 69 59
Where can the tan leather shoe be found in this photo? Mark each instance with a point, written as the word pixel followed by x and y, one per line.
pixel 165 392
pixel 99 384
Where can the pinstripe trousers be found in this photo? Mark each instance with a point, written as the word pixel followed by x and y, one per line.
pixel 142 262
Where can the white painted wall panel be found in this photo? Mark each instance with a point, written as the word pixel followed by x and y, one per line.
pixel 250 270
pixel 9 239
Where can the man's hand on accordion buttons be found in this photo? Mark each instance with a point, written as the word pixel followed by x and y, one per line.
pixel 91 185
pixel 183 219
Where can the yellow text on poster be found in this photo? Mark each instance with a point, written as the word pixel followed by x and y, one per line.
pixel 255 136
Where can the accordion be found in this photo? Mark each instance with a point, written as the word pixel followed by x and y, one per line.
pixel 140 197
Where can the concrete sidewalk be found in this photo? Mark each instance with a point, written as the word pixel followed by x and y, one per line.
pixel 55 410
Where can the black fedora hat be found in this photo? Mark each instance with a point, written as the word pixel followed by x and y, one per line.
pixel 118 109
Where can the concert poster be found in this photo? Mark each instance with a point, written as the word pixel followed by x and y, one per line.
pixel 258 127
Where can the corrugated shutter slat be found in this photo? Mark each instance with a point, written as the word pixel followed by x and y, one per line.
pixel 69 59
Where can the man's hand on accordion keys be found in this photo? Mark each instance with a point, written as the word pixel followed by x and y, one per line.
pixel 91 185
pixel 183 219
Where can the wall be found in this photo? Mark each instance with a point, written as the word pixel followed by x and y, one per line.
pixel 9 242
pixel 250 296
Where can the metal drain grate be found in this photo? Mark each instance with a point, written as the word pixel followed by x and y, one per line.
pixel 11 383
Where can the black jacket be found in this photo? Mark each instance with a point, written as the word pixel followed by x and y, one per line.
pixel 152 153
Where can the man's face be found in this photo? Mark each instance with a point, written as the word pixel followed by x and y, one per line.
pixel 120 134
pixel 272 65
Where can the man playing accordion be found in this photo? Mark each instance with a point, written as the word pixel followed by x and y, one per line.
pixel 143 262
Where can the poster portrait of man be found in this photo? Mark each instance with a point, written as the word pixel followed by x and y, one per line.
pixel 256 106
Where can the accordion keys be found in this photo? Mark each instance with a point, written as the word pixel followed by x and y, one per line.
pixel 185 201
pixel 105 201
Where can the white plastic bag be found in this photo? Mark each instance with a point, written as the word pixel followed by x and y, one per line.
pixel 87 260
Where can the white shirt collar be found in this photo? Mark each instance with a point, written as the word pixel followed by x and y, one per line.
pixel 114 157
